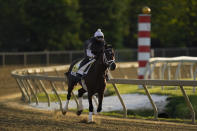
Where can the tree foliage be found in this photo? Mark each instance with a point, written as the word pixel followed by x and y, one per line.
pixel 107 15
pixel 177 24
pixel 37 25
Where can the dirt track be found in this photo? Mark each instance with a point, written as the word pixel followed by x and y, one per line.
pixel 15 115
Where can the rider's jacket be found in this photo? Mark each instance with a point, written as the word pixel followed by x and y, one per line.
pixel 93 47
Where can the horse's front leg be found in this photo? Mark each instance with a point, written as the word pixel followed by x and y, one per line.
pixel 100 100
pixel 91 108
pixel 70 88
pixel 80 98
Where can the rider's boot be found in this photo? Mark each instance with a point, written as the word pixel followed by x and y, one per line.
pixel 80 74
pixel 78 78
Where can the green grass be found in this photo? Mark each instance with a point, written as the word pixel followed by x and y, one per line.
pixel 167 90
pixel 139 114
pixel 128 89
pixel 42 97
pixel 176 109
pixel 146 113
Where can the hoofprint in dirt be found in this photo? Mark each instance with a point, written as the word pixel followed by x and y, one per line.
pixel 15 115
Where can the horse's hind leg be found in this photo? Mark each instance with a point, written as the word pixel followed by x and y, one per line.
pixel 71 85
pixel 80 98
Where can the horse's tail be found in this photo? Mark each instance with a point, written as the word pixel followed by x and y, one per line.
pixel 66 74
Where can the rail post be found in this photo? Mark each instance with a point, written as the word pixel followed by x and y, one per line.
pixel 34 82
pixel 117 92
pixel 169 71
pixel 188 104
pixel 45 91
pixel 3 59
pixel 47 58
pixel 152 102
pixel 31 89
pixel 58 97
pixel 23 97
pixel 163 73
pixel 26 90
pixel 121 100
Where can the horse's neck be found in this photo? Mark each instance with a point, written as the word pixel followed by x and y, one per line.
pixel 99 67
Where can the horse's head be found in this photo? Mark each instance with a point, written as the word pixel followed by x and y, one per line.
pixel 109 58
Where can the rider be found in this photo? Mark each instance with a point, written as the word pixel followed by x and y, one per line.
pixel 93 47
pixel 94 44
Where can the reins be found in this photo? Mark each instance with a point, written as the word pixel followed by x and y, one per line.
pixel 106 61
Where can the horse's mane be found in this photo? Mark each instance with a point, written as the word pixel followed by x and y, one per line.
pixel 98 61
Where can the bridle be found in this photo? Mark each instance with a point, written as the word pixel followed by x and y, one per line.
pixel 106 60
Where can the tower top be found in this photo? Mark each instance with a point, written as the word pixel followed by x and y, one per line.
pixel 146 10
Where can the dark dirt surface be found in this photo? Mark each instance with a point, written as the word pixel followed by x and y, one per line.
pixel 15 115
pixel 18 116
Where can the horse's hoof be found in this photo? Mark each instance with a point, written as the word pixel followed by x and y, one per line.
pixel 79 112
pixel 64 112
pixel 95 113
pixel 91 122
pixel 99 110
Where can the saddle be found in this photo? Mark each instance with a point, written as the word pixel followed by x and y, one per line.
pixel 82 67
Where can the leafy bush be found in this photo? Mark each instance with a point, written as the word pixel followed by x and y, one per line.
pixel 177 107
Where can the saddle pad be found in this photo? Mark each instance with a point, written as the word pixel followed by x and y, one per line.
pixel 76 68
pixel 82 70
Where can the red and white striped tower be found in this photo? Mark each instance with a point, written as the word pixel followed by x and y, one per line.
pixel 144 28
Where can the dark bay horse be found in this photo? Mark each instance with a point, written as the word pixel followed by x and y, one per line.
pixel 94 82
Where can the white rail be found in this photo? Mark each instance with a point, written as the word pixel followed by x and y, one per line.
pixel 167 63
pixel 29 83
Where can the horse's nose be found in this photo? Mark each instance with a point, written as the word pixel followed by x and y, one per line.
pixel 112 66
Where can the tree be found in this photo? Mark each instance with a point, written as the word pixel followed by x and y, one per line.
pixel 12 31
pixel 36 25
pixel 107 15
pixel 54 25
pixel 175 23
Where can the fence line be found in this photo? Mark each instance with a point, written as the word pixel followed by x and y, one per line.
pixel 27 81
pixel 165 65
pixel 66 57
pixel 56 57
